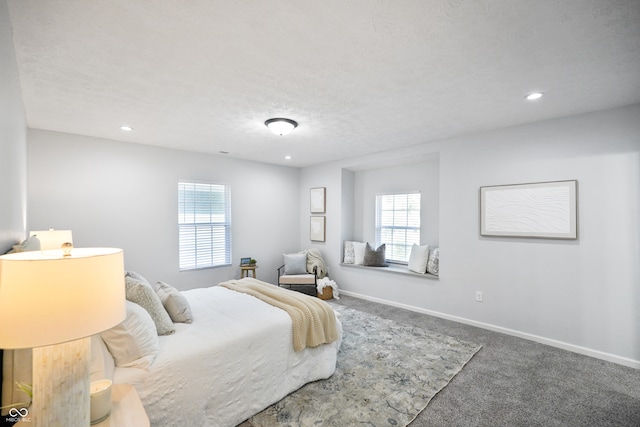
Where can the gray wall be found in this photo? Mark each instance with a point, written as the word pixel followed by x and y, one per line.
pixel 13 167
pixel 125 195
pixel 422 177
pixel 582 295
pixel 13 142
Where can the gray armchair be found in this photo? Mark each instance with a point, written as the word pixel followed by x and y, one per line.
pixel 305 283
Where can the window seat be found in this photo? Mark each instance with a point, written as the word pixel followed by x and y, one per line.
pixel 393 268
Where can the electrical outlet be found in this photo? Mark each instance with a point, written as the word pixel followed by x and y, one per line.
pixel 478 296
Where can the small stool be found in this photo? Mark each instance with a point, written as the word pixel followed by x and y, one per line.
pixel 245 269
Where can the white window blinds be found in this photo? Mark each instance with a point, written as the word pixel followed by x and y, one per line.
pixel 398 224
pixel 204 225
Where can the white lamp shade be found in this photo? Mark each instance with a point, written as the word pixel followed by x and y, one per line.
pixel 52 239
pixel 46 298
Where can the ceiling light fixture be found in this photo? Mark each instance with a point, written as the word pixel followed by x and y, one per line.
pixel 533 96
pixel 281 126
pixel 287 157
pixel 126 128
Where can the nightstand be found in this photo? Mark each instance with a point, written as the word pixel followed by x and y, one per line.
pixel 245 269
pixel 126 409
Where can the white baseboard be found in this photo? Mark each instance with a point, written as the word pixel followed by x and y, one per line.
pixel 548 341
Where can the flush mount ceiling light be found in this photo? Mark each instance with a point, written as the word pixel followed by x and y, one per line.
pixel 533 96
pixel 126 128
pixel 281 126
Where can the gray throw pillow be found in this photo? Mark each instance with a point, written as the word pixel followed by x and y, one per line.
pixel 374 257
pixel 140 291
pixel 295 263
pixel 174 302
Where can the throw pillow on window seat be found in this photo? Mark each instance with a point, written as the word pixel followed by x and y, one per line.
pixel 349 253
pixel 433 265
pixel 419 258
pixel 358 253
pixel 374 257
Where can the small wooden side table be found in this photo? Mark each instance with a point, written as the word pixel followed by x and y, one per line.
pixel 245 269
pixel 126 409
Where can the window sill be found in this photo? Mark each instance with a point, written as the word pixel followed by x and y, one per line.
pixel 394 269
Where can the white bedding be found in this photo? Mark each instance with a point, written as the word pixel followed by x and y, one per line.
pixel 234 360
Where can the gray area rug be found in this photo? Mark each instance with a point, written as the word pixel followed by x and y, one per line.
pixel 386 375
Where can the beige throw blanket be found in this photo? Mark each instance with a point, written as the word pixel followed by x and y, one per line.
pixel 314 322
pixel 315 260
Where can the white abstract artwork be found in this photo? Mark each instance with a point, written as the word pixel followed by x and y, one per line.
pixel 317 224
pixel 546 209
pixel 318 199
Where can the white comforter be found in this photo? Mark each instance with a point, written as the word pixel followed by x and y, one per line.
pixel 234 360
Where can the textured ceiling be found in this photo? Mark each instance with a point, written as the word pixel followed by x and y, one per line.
pixel 359 76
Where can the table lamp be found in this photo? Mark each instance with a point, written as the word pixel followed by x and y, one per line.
pixel 53 303
pixel 52 239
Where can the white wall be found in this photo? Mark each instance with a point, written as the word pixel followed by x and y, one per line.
pixel 125 195
pixel 583 295
pixel 13 142
pixel 422 177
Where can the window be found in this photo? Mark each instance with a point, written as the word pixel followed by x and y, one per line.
pixel 398 224
pixel 204 225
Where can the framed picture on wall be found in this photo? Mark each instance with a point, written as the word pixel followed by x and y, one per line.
pixel 317 228
pixel 318 200
pixel 544 210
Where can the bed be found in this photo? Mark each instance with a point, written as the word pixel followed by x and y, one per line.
pixel 234 360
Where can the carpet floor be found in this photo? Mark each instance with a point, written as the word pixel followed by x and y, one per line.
pixel 515 382
pixel 386 374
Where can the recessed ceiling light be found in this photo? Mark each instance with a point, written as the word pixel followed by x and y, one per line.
pixel 287 157
pixel 126 128
pixel 533 96
pixel 281 126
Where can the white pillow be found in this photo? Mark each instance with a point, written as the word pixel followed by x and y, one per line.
pixel 418 259
pixel 134 342
pixel 176 304
pixel 102 363
pixel 358 250
pixel 349 254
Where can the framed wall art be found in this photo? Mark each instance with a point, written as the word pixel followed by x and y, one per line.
pixel 318 200
pixel 543 210
pixel 317 228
